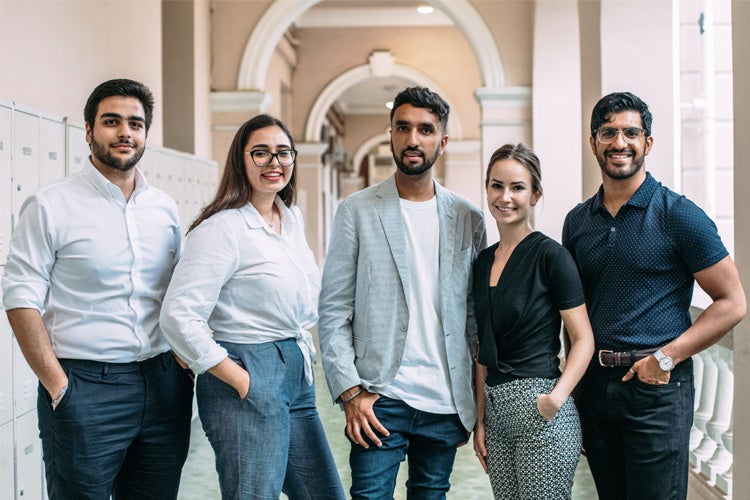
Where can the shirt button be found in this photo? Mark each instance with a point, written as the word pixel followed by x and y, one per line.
pixel 611 229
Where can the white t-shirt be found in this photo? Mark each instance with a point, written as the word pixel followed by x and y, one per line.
pixel 422 380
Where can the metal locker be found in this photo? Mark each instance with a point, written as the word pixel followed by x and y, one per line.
pixel 6 206
pixel 6 461
pixel 26 166
pixel 52 150
pixel 28 457
pixel 78 148
pixel 151 158
pixel 6 366
pixel 25 383
pixel 187 183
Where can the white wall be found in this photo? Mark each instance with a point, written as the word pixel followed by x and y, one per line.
pixel 53 53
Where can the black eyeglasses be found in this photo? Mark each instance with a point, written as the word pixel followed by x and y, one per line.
pixel 608 135
pixel 263 158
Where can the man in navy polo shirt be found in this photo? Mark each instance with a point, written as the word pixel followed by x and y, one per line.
pixel 640 248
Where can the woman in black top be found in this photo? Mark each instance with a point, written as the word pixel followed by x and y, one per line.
pixel 527 435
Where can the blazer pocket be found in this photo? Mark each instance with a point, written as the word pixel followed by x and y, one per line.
pixel 360 347
pixel 462 262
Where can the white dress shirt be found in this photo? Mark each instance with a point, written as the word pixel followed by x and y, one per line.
pixel 95 265
pixel 240 282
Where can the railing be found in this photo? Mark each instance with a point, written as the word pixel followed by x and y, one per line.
pixel 711 435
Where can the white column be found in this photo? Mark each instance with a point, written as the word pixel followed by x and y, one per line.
pixel 229 110
pixel 640 54
pixel 310 186
pixel 698 370
pixel 725 481
pixel 506 118
pixel 463 166
pixel 557 86
pixel 741 71
pixel 721 459
pixel 709 384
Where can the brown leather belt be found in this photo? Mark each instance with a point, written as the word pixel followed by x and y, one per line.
pixel 626 358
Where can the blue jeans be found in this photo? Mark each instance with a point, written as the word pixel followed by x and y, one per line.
pixel 122 429
pixel 273 440
pixel 636 435
pixel 430 440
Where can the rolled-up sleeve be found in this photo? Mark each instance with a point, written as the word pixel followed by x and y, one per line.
pixel 209 259
pixel 31 257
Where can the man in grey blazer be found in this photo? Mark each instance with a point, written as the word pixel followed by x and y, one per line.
pixel 396 328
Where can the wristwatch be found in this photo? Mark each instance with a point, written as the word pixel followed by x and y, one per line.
pixel 665 362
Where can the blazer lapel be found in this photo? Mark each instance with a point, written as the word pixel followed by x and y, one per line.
pixel 389 211
pixel 448 232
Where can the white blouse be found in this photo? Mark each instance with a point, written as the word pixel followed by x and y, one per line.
pixel 240 282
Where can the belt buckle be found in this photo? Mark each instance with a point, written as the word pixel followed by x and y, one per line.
pixel 601 363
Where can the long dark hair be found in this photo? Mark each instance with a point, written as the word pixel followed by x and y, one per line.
pixel 234 189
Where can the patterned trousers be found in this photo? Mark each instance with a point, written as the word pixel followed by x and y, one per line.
pixel 530 458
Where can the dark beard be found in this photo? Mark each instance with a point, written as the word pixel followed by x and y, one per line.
pixel 619 174
pixel 100 153
pixel 408 169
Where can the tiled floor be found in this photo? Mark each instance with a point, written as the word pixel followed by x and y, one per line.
pixel 468 481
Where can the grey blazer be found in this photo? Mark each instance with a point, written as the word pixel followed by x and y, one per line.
pixel 364 312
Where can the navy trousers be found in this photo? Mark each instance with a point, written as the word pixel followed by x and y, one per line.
pixel 122 429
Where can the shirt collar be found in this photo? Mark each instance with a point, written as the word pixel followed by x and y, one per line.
pixel 639 199
pixel 253 218
pixel 106 187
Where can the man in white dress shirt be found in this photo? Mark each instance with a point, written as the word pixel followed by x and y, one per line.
pixel 90 260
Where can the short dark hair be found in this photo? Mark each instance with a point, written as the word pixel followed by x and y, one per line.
pixel 617 102
pixel 524 156
pixel 119 87
pixel 422 97
pixel 234 188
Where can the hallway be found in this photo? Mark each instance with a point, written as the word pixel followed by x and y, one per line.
pixel 199 480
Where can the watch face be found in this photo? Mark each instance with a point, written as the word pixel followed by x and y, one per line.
pixel 666 363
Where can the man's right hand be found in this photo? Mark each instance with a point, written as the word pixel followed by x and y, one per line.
pixel 361 420
pixel 56 394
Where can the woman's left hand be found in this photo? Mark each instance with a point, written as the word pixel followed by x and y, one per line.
pixel 480 446
pixel 548 406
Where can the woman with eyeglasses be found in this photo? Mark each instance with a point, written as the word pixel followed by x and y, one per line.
pixel 527 435
pixel 238 311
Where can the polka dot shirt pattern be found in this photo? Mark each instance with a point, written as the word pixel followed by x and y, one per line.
pixel 637 267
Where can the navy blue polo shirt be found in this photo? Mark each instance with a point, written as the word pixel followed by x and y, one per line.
pixel 637 268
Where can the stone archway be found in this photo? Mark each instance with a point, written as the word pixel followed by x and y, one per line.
pixel 333 90
pixel 366 146
pixel 281 13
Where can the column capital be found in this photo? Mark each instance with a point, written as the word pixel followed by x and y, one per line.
pixel 310 151
pixel 245 101
pixel 503 96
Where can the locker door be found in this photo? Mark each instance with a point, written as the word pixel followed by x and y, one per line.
pixel 78 148
pixel 6 368
pixel 6 460
pixel 52 147
pixel 28 457
pixel 25 383
pixel 6 130
pixel 26 157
